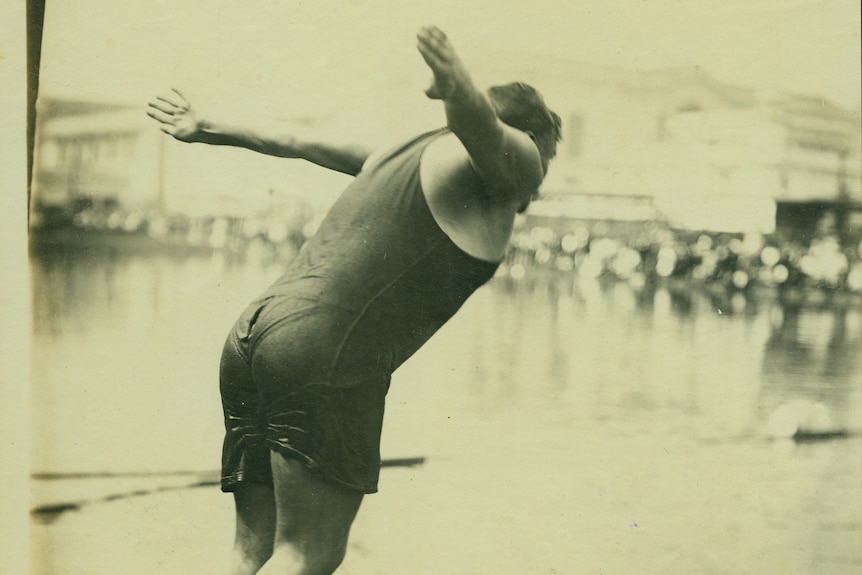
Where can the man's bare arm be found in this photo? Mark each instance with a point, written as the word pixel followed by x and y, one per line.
pixel 178 118
pixel 506 158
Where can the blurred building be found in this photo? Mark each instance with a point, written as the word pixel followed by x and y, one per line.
pixel 674 145
pixel 91 153
pixel 101 157
pixel 701 154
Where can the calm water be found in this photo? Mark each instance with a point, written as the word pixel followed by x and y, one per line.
pixel 568 422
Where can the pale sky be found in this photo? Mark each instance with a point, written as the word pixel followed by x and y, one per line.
pixel 289 49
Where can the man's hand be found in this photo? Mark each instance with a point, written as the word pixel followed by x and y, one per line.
pixel 451 78
pixel 505 158
pixel 177 117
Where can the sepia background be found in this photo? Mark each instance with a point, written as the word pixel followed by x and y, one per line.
pixel 664 376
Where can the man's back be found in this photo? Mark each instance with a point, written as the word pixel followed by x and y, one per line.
pixel 382 262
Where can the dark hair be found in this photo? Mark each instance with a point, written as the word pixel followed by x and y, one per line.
pixel 522 106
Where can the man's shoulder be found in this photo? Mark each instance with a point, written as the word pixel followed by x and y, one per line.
pixel 393 144
pixel 447 153
pixel 446 163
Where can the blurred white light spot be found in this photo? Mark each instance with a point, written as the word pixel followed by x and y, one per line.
pixel 704 243
pixel 575 241
pixel 770 256
pixel 543 255
pixel 310 228
pixel 570 243
pixel 591 267
pixel 700 272
pixel 665 266
pixel 525 242
pixel 251 228
pixel 115 220
pixel 564 264
pixel 604 247
pixel 132 223
pixel 277 233
pixel 637 280
pixel 626 261
pixel 752 243
pixel 517 272
pixel 542 234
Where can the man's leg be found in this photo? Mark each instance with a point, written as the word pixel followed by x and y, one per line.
pixel 255 527
pixel 312 523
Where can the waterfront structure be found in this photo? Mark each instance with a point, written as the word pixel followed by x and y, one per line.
pixel 674 146
pixel 697 153
pixel 93 153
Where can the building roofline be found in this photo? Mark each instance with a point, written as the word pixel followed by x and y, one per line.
pixel 540 66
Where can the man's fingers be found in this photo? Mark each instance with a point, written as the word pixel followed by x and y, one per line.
pixel 161 106
pixel 431 58
pixel 429 45
pixel 172 100
pixel 181 95
pixel 167 110
pixel 433 39
pixel 160 116
pixel 438 54
pixel 435 58
pixel 432 34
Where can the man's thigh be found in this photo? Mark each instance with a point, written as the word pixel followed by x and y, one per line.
pixel 311 512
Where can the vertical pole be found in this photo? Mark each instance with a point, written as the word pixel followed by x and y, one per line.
pixel 35 23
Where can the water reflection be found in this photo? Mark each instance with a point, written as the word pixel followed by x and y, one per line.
pixel 627 403
pixel 814 356
pixel 726 359
pixel 719 365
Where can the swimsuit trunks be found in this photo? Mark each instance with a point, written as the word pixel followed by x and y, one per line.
pixel 306 368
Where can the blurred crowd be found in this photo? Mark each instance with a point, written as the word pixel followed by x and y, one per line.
pixel 737 262
pixel 646 253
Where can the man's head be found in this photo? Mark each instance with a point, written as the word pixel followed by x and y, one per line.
pixel 523 108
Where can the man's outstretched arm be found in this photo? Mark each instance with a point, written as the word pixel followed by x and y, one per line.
pixel 506 158
pixel 178 118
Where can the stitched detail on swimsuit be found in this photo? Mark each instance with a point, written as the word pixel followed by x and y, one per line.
pixel 239 349
pixel 271 326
